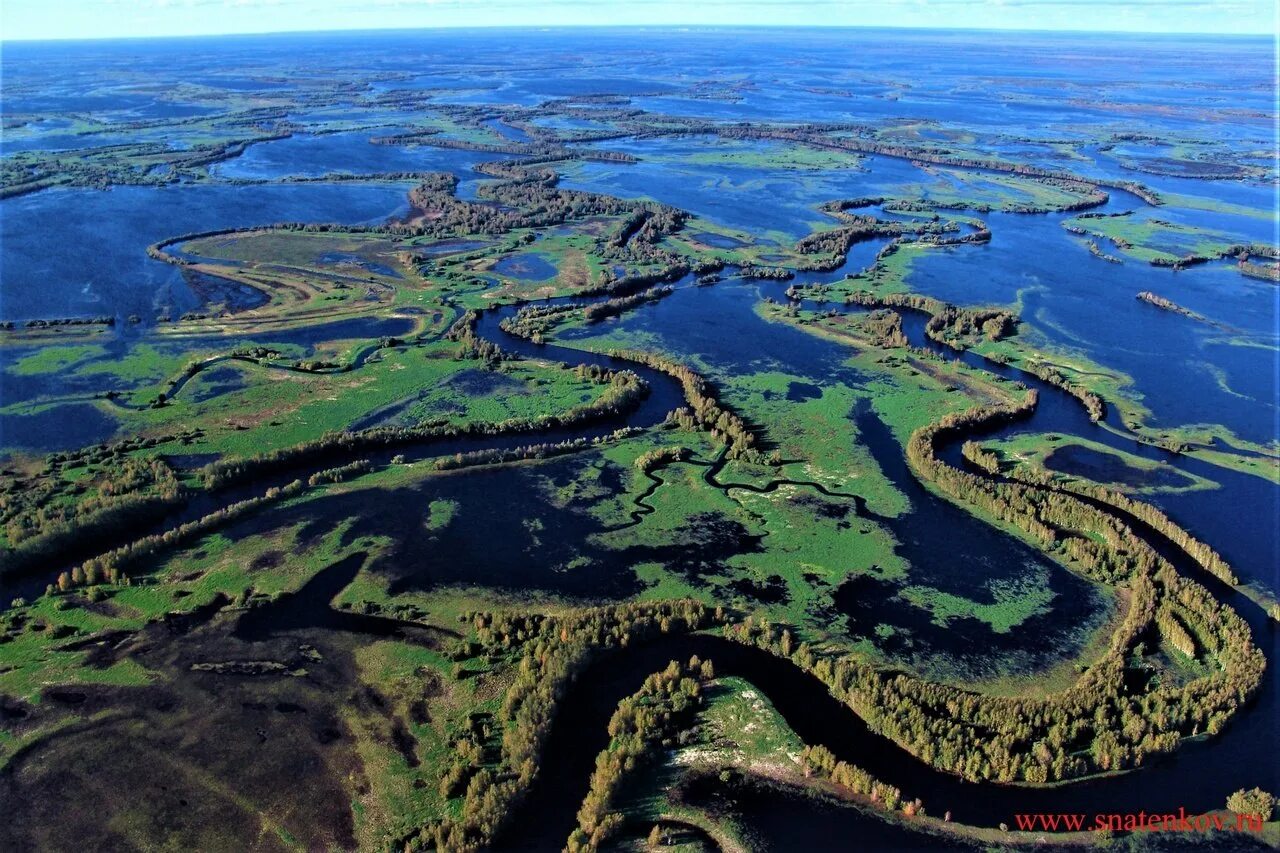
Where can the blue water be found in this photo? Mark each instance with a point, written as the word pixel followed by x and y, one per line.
pixel 526 265
pixel 83 252
pixel 1083 302
pixel 70 425
pixel 350 153
pixel 58 142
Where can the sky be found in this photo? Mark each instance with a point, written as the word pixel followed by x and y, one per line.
pixel 78 19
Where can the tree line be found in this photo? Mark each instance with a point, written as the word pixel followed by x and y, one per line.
pixel 625 392
pixel 1096 725
pixel 47 515
pixel 643 722
pixel 660 457
pixel 819 761
pixel 956 328
pixel 552 651
pixel 1201 552
pixel 705 411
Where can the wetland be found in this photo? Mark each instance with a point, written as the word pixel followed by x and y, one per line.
pixel 758 453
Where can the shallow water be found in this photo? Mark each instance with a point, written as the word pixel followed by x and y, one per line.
pixel 73 253
pixel 350 153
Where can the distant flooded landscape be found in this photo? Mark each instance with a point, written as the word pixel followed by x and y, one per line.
pixel 634 438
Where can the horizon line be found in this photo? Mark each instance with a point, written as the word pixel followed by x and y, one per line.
pixel 654 26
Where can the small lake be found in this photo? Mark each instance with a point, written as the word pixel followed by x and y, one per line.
pixel 527 266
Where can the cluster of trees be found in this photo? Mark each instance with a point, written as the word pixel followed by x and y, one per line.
pixel 526 197
pixel 836 243
pixel 910 301
pixel 981 458
pixel 336 177
pixel 38 506
pixel 110 566
pixel 340 473
pixel 1260 249
pixel 767 273
pixel 405 138
pixel 78 576
pixel 647 225
pixel 885 329
pixel 554 649
pixel 839 208
pixel 1270 272
pixel 532 322
pixel 705 412
pixel 952 326
pixel 471 751
pixel 621 286
pixel 1183 262
pixel 258 354
pixel 65 321
pixel 1093 403
pixel 818 760
pixel 1174 632
pixel 315 366
pixel 660 457
pixel 598 311
pixel 470 345
pixel 1097 252
pixel 597 374
pixel 664 705
pixel 980 234
pixel 1255 803
pixel 47 515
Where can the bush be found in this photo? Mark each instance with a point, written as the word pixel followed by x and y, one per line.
pixel 1257 803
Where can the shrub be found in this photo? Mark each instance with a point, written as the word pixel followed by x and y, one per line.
pixel 1257 803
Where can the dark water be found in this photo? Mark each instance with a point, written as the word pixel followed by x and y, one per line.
pixel 948 549
pixel 65 427
pixel 1110 468
pixel 509 131
pixel 348 259
pixel 1198 777
pixel 782 820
